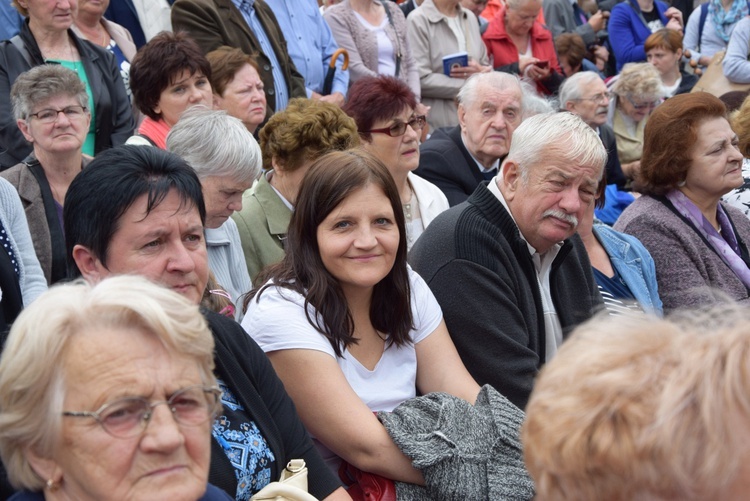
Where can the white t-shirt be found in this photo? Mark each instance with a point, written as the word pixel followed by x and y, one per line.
pixel 278 322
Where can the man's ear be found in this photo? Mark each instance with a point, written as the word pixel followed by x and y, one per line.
pixel 90 266
pixel 511 176
pixel 461 116
pixel 570 106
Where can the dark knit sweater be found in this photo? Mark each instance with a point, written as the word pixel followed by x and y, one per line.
pixel 481 272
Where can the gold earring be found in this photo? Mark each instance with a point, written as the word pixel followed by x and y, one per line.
pixel 52 485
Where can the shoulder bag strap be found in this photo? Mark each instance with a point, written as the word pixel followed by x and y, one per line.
pixel 21 47
pixel 398 42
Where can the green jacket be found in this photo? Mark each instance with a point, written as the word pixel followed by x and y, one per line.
pixel 262 222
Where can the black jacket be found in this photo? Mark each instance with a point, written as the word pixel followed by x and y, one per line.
pixel 445 162
pixel 114 119
pixel 479 268
pixel 248 373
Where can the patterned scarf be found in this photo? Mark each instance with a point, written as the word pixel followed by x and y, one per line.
pixel 724 21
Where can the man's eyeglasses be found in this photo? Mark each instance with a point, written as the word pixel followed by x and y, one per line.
pixel 49 116
pixel 128 417
pixel 417 123
pixel 599 98
pixel 643 106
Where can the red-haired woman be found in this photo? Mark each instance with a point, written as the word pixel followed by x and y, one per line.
pixel 699 243
pixel 389 127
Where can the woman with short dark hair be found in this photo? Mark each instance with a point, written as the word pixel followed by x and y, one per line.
pixel 699 243
pixel 168 75
pixel 238 89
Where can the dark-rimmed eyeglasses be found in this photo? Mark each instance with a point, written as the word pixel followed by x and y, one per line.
pixel 129 417
pixel 417 123
pixel 597 99
pixel 48 116
pixel 643 106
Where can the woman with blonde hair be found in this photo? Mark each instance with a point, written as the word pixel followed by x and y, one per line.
pixel 637 91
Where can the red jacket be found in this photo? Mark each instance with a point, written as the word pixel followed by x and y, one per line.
pixel 504 54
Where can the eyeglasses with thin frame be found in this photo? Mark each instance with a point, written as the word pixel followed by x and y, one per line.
pixel 643 106
pixel 597 99
pixel 129 417
pixel 48 116
pixel 417 123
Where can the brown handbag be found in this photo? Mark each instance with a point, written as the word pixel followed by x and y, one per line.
pixel 713 80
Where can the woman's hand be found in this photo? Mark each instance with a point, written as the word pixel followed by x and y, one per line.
pixel 524 62
pixel 467 71
pixel 536 72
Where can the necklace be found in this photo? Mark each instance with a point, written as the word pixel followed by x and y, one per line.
pixel 408 206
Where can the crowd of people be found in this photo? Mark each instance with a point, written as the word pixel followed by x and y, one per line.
pixel 428 249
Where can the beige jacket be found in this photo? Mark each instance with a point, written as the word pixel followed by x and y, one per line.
pixel 431 38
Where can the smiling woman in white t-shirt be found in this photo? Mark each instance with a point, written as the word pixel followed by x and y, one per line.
pixel 348 326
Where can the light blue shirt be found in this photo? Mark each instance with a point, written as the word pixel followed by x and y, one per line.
pixel 310 43
pixel 279 82
pixel 10 20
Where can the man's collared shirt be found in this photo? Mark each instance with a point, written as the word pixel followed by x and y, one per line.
pixel 246 7
pixel 310 43
pixel 543 266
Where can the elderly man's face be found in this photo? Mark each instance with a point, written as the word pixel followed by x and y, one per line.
pixel 488 122
pixel 548 204
pixel 165 246
pixel 593 105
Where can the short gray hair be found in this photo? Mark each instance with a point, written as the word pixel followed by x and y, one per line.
pixel 42 83
pixel 496 79
pixel 215 144
pixel 572 87
pixel 515 4
pixel 32 380
pixel 555 135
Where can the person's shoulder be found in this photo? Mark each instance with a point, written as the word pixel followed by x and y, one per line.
pixel 213 493
pixel 442 138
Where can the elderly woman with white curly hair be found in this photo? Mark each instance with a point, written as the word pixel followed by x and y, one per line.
pixel 636 92
pixel 82 378
pixel 227 160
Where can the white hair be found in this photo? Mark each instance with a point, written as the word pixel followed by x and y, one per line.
pixel 495 79
pixel 572 87
pixel 534 103
pixel 215 144
pixel 560 135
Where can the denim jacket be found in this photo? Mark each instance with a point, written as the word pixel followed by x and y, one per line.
pixel 634 264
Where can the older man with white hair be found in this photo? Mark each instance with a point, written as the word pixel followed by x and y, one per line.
pixel 457 159
pixel 508 269
pixel 585 94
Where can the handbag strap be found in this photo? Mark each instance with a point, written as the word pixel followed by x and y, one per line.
pixel 398 42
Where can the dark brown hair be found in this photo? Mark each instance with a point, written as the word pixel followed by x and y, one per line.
pixel 330 180
pixel 668 139
pixel 571 46
pixel 372 99
pixel 157 64
pixel 225 63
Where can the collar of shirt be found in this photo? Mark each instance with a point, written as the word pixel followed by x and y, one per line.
pixel 538 258
pixel 482 168
pixel 238 3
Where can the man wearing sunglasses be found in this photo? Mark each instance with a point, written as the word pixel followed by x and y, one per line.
pixel 458 159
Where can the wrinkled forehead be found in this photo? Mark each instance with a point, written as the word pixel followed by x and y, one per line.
pixel 501 98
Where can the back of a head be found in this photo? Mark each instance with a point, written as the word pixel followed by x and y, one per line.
pixel 111 183
pixel 304 131
pixel 215 144
pixel 644 408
